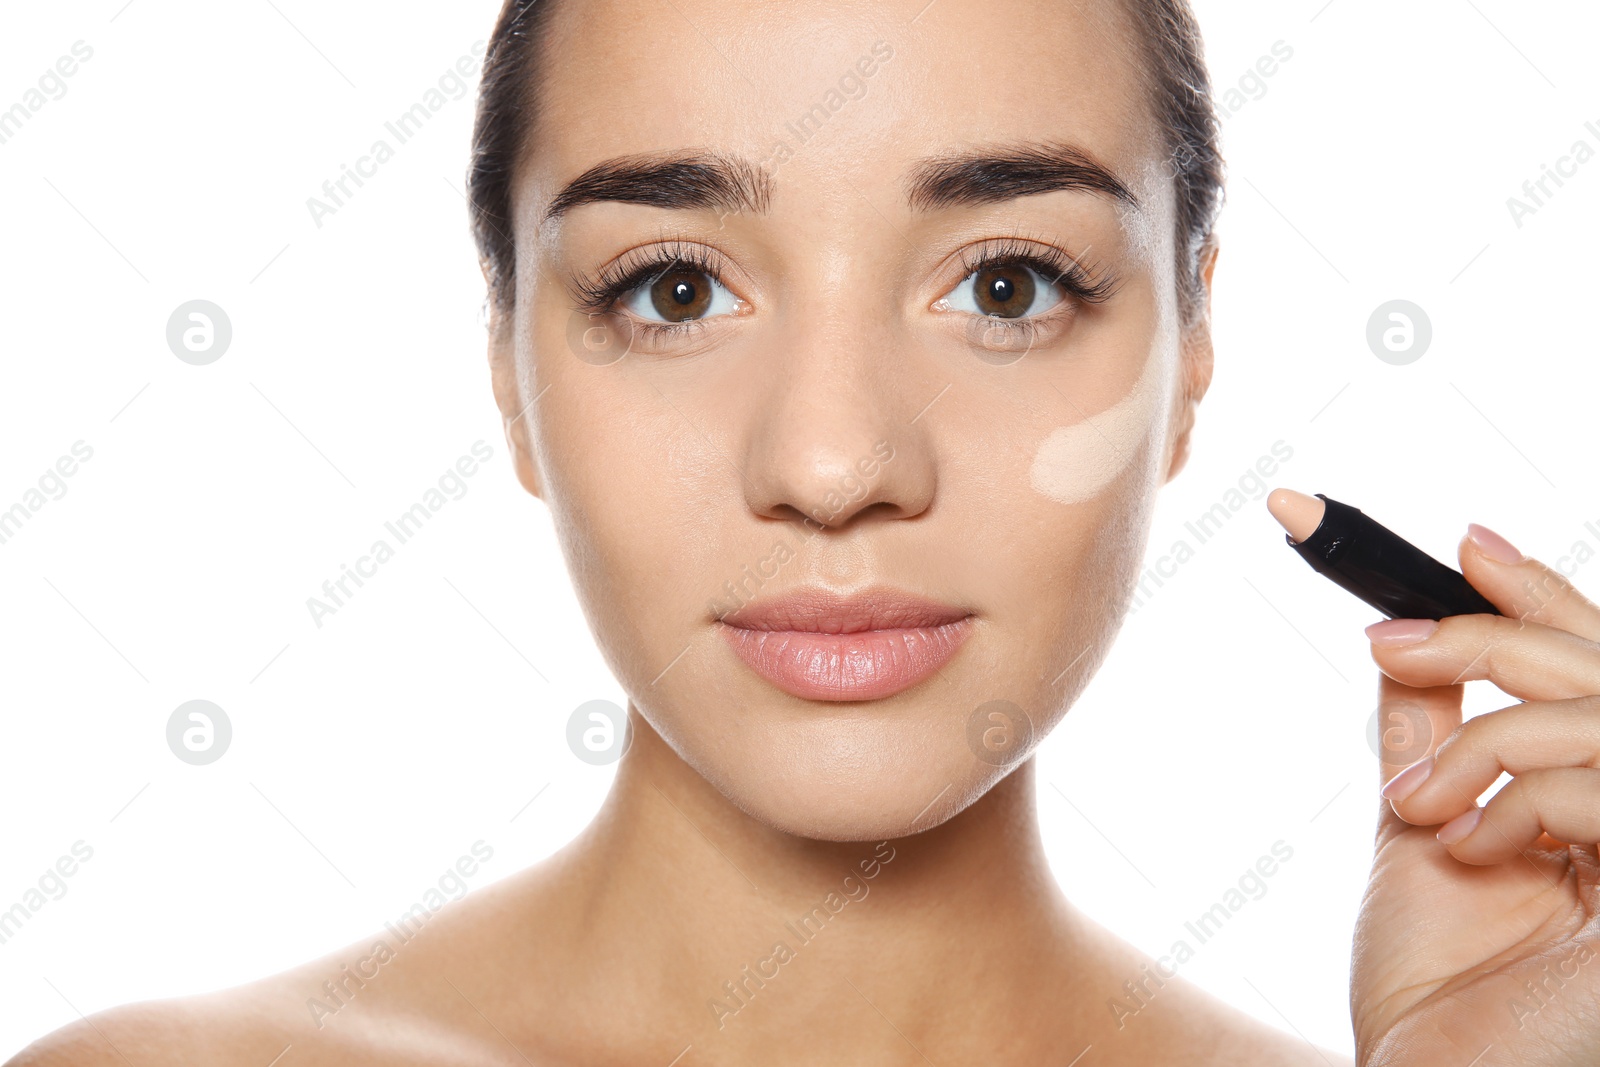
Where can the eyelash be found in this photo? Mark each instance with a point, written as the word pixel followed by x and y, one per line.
pixel 599 293
pixel 1085 285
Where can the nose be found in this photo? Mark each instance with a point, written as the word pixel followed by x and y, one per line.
pixel 840 437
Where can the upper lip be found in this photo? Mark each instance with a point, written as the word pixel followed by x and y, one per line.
pixel 817 610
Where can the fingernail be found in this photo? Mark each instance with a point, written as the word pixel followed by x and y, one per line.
pixel 1405 783
pixel 1394 632
pixel 1460 826
pixel 1493 545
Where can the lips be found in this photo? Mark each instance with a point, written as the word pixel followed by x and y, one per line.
pixel 818 645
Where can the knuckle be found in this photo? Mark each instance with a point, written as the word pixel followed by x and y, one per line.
pixel 1526 789
pixel 1471 736
pixel 1477 742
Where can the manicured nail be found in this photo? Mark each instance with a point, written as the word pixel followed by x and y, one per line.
pixel 1394 632
pixel 1493 545
pixel 1405 783
pixel 1460 826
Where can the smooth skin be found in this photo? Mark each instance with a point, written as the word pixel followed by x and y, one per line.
pixel 738 808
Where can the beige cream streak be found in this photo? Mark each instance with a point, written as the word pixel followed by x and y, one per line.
pixel 1077 462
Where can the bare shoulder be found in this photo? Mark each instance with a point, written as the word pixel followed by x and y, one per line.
pixel 312 1015
pixel 1168 1018
pixel 1216 1032
pixel 395 997
pixel 183 1029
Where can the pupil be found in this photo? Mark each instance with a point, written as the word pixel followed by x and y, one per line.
pixel 683 292
pixel 1006 291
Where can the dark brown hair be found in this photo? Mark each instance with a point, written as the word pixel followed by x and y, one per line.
pixel 1179 89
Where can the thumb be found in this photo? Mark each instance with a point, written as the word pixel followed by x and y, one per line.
pixel 1411 723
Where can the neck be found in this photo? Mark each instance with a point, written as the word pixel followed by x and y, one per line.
pixel 726 926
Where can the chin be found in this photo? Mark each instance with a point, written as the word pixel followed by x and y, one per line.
pixel 848 773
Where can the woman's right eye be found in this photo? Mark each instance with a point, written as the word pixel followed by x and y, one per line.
pixel 679 295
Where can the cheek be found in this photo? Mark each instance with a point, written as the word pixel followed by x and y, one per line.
pixel 600 437
pixel 1078 462
pixel 1070 566
pixel 634 506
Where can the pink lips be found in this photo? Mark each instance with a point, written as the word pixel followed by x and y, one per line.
pixel 821 646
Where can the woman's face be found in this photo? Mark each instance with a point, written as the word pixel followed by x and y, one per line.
pixel 851 357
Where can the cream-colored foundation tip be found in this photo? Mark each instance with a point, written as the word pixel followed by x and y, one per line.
pixel 1298 514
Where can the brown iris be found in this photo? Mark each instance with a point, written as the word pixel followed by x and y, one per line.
pixel 1004 291
pixel 680 294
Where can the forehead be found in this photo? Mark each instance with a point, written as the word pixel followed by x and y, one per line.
pixel 837 88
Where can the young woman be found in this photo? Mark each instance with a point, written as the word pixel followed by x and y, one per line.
pixel 849 344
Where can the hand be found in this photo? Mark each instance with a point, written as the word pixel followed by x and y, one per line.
pixel 1478 941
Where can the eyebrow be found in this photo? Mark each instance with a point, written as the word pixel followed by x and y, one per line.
pixel 673 180
pixel 985 174
pixel 993 173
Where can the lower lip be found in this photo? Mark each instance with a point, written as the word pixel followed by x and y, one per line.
pixel 868 665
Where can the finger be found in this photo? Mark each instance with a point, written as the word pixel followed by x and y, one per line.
pixel 1563 802
pixel 1411 723
pixel 1526 659
pixel 1524 588
pixel 1516 740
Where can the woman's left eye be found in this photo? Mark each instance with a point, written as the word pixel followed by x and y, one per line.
pixel 679 295
pixel 1007 291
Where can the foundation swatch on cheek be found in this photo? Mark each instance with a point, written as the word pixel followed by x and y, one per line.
pixel 1075 463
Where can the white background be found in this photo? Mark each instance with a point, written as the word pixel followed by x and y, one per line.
pixel 371 753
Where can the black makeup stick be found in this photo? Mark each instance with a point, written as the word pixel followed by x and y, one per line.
pixel 1371 561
